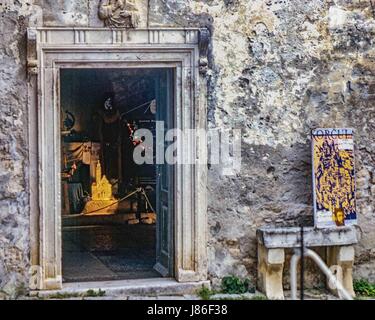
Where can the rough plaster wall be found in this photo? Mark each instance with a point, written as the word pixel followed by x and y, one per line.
pixel 15 16
pixel 277 69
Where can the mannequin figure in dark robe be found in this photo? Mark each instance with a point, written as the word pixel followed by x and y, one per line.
pixel 110 138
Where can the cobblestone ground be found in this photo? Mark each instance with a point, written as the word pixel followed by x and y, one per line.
pixel 310 294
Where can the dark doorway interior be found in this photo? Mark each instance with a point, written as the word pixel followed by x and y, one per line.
pixel 108 227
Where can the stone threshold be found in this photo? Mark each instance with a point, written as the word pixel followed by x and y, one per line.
pixel 134 287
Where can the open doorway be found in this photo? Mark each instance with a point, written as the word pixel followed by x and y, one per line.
pixel 117 216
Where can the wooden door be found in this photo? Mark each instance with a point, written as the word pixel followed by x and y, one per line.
pixel 164 85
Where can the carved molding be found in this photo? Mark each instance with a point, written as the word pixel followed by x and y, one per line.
pixel 88 36
pixel 203 42
pixel 32 67
pixel 119 13
pixel 35 277
pixel 32 60
pixel 54 48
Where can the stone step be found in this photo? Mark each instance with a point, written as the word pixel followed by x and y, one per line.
pixel 139 287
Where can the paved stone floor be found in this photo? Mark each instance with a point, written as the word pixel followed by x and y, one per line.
pixel 310 294
pixel 98 253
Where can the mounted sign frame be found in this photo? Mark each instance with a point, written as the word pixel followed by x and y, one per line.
pixel 333 177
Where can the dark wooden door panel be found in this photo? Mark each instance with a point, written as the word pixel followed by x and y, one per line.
pixel 164 184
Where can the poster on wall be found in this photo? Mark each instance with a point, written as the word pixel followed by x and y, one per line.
pixel 333 177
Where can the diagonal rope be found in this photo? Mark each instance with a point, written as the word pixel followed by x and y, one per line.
pixel 147 199
pixel 137 107
pixel 141 190
pixel 117 201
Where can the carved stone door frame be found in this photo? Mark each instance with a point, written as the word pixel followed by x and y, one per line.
pixel 49 50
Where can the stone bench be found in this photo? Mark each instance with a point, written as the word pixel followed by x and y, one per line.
pixel 272 243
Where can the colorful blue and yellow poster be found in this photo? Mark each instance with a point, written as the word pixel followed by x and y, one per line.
pixel 333 177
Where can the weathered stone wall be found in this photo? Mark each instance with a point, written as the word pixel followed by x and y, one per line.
pixel 15 17
pixel 277 69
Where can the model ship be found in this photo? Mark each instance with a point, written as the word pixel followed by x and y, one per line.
pixel 102 199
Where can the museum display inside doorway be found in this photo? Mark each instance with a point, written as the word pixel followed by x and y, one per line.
pixel 117 216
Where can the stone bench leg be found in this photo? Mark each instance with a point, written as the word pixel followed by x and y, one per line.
pixel 270 271
pixel 342 256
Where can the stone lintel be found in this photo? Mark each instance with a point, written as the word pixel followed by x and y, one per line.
pixel 272 237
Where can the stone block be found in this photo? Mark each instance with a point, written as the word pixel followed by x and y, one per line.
pixel 313 237
pixel 275 256
pixel 346 254
pixel 342 257
pixel 270 271
pixel 271 256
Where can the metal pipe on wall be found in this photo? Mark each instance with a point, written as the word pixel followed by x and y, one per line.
pixel 315 257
